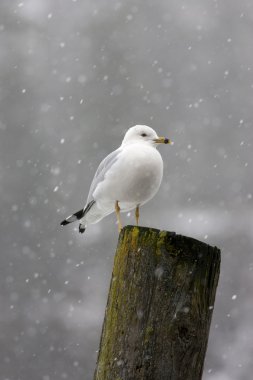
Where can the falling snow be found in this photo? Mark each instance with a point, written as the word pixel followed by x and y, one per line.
pixel 74 78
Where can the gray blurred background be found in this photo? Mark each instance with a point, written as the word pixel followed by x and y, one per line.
pixel 74 75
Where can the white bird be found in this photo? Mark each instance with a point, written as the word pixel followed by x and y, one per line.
pixel 126 179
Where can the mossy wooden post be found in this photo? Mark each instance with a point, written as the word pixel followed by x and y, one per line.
pixel 159 307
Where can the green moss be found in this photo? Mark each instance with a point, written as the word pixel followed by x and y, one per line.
pixel 135 233
pixel 149 331
pixel 160 242
pixel 134 237
pixel 113 305
pixel 172 249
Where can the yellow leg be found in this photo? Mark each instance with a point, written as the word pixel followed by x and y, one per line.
pixel 137 214
pixel 117 209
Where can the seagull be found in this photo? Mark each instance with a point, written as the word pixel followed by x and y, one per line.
pixel 125 180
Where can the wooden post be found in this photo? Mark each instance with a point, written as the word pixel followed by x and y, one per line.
pixel 159 307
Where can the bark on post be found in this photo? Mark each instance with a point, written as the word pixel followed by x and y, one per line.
pixel 159 307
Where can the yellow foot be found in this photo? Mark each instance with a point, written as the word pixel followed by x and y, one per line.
pixel 117 210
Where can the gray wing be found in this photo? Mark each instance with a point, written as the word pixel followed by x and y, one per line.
pixel 103 168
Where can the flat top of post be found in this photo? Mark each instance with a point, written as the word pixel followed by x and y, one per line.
pixel 139 232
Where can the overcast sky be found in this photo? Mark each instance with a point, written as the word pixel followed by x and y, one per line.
pixel 74 76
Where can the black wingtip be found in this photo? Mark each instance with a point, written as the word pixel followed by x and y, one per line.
pixel 64 222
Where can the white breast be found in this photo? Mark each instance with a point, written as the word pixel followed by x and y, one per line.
pixel 133 179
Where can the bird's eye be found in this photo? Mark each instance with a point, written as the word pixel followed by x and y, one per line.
pixel 143 135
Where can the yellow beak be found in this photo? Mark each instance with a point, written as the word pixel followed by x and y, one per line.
pixel 162 140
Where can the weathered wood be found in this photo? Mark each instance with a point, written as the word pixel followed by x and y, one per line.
pixel 159 307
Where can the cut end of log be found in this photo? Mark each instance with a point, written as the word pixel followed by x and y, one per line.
pixel 146 235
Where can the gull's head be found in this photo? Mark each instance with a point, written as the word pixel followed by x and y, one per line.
pixel 143 134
